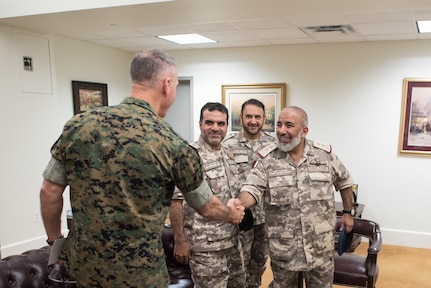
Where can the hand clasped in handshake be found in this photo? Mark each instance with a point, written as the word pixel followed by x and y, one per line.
pixel 236 211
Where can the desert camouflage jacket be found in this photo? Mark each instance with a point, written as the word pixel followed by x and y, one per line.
pixel 220 171
pixel 299 203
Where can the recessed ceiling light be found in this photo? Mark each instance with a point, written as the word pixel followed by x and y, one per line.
pixel 187 38
pixel 424 26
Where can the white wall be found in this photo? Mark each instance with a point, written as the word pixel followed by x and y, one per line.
pixel 31 122
pixel 352 93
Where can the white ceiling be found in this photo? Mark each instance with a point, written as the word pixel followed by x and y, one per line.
pixel 14 8
pixel 233 23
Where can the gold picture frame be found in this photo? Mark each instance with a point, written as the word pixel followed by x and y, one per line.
pixel 272 95
pixel 415 126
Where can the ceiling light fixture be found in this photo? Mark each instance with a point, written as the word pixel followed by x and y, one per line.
pixel 187 39
pixel 424 26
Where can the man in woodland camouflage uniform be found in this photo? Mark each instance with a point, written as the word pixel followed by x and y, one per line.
pixel 299 204
pixel 122 164
pixel 215 259
pixel 245 146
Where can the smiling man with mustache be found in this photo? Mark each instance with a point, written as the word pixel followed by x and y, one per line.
pixel 247 146
pixel 210 247
pixel 295 181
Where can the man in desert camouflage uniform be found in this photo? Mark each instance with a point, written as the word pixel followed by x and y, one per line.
pixel 246 146
pixel 299 204
pixel 122 164
pixel 215 259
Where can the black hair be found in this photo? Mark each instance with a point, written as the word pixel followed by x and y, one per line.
pixel 253 102
pixel 211 106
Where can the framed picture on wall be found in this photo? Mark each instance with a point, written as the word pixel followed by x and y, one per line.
pixel 87 95
pixel 272 95
pixel 415 126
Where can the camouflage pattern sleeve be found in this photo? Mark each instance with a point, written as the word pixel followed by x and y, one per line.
pixel 199 197
pixel 188 170
pixel 343 179
pixel 256 182
pixel 55 172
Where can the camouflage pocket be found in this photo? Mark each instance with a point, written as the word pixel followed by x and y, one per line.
pixel 282 248
pixel 208 263
pixel 216 176
pixel 324 233
pixel 279 183
pixel 279 226
pixel 320 186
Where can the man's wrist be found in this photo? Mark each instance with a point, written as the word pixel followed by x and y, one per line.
pixel 346 211
pixel 229 214
pixel 51 242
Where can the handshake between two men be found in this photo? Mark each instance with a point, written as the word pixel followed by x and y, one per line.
pixel 236 211
pixel 233 212
pixel 247 221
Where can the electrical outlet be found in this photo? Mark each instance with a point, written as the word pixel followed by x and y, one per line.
pixel 36 216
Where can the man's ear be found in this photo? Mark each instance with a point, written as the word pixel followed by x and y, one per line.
pixel 304 131
pixel 166 86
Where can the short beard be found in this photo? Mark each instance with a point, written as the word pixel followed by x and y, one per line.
pixel 246 128
pixel 286 147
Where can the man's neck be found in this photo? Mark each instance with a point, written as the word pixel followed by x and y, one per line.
pixel 141 92
pixel 296 153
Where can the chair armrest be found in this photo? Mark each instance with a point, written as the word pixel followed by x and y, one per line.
pixel 375 243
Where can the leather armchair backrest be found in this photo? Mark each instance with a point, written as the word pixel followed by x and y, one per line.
pixel 29 269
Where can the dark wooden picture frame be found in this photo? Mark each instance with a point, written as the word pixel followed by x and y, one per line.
pixel 87 95
pixel 415 126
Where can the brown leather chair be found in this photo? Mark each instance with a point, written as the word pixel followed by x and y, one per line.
pixel 356 270
pixel 31 270
pixel 180 274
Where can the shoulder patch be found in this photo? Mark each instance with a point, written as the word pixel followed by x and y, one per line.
pixel 231 135
pixel 267 137
pixel 266 150
pixel 324 146
pixel 228 152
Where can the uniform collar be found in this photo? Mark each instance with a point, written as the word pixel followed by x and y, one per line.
pixel 205 145
pixel 308 148
pixel 308 152
pixel 141 103
pixel 262 137
pixel 225 151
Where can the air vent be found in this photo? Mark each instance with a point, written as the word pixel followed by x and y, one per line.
pixel 329 30
pixel 333 28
